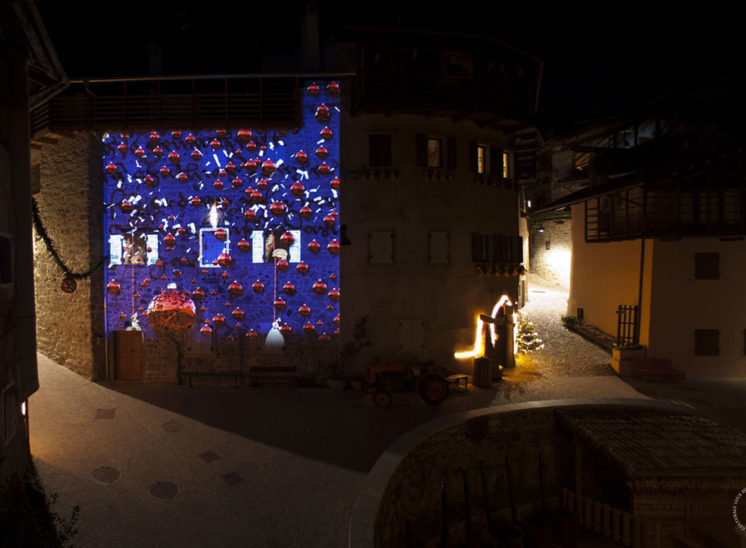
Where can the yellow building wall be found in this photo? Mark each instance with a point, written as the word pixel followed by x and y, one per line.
pixel 603 276
pixel 681 304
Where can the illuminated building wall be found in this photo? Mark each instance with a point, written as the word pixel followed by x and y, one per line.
pixel 219 233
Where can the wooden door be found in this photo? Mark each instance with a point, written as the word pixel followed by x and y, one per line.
pixel 128 353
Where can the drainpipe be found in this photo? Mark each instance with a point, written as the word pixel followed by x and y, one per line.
pixel 639 292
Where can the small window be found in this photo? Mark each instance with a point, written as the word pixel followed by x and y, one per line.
pixel 212 243
pixel 379 150
pixel 381 247
pixel 547 244
pixel 135 248
pixel 706 342
pixel 264 245
pixel 706 266
pixel 506 165
pixel 434 152
pixel 481 159
pixel 438 247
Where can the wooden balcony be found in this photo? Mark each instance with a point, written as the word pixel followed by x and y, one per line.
pixel 182 101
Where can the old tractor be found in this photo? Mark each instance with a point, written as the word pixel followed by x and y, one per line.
pixel 430 382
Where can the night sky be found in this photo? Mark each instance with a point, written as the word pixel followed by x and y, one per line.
pixel 600 58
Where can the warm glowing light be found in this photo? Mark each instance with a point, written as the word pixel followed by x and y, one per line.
pixel 478 337
pixel 213 216
pixel 23 409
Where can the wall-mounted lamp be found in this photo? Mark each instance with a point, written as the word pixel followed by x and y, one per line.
pixel 541 228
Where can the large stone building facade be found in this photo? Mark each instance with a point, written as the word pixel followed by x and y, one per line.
pixel 418 230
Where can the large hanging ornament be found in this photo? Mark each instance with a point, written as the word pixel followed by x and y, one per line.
pixel 171 311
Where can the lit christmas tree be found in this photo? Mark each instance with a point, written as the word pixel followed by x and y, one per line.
pixel 527 339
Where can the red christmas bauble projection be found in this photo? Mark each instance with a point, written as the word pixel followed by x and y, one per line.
pixel 329 221
pixel 113 287
pixel 334 295
pixel 122 148
pixel 333 247
pixel 325 169
pixel 238 314
pixel 182 177
pixel 257 286
pixel 279 303
pixel 224 260
pixel 244 135
pixel 190 140
pixel 196 201
pixel 283 265
pixel 326 134
pixel 335 183
pixel 301 157
pixel 256 197
pixel 125 206
pixel 313 90
pixel 323 114
pixel 171 312
pixel 243 245
pixel 309 328
pixel 314 246
pixel 215 144
pixel 306 212
pixel 235 289
pixel 236 183
pixel 206 330
pixel 289 288
pixel 297 189
pixel 165 171
pixel 322 152
pixel 196 155
pixel 139 152
pixel 287 239
pixel 221 234
pixel 333 88
pixel 277 208
pixel 218 320
pixel 169 240
pixel 111 168
pixel 302 268
pixel 198 294
pixel 148 180
pixel 268 167
pixel 218 184
pixel 173 157
pixel 154 137
pixel 176 134
pixel 319 287
pixel 250 214
pixel 261 184
pixel 286 329
pixel 304 311
pixel 158 152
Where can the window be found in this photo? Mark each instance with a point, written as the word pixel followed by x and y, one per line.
pixel 135 248
pixel 381 247
pixel 506 165
pixel 706 266
pixel 264 245
pixel 212 243
pixel 434 153
pixel 379 150
pixel 481 159
pixel 438 247
pixel 706 342
pixel 6 268
pixel 496 248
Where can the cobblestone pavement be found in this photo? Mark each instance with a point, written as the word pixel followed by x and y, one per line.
pixel 568 366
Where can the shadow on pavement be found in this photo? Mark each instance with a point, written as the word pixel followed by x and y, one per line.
pixel 339 427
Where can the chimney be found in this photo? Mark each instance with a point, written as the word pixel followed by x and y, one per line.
pixel 310 38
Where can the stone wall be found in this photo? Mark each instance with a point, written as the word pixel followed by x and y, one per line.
pixel 69 325
pixel 414 490
pixel 550 251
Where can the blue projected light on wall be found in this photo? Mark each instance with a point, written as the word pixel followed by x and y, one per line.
pixel 223 231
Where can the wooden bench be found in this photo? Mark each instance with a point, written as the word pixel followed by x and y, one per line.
pixel 272 374
pixel 657 368
pixel 458 379
pixel 235 374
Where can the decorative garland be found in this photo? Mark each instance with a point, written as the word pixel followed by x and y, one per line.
pixel 41 231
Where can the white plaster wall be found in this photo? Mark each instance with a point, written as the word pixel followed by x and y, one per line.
pixel 681 304
pixel 444 299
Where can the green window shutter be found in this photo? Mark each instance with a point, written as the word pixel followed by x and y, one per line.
pixel 473 157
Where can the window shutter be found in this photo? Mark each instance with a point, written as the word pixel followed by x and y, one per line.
pixel 473 156
pixel 452 153
pixel 475 247
pixel 519 239
pixel 496 161
pixel 421 150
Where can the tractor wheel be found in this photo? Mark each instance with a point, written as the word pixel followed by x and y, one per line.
pixel 382 399
pixel 433 388
pixel 369 387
